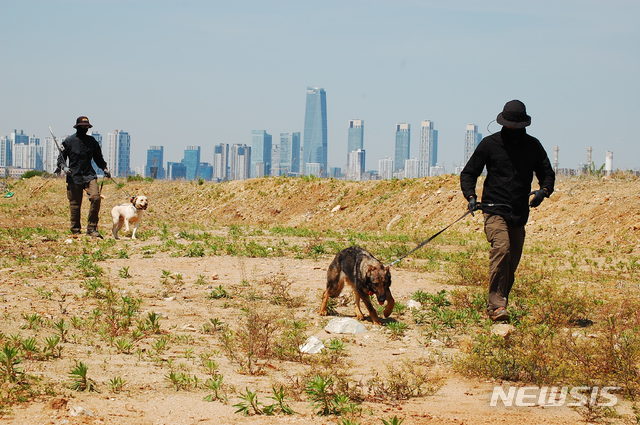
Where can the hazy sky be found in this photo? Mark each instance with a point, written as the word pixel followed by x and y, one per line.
pixel 179 73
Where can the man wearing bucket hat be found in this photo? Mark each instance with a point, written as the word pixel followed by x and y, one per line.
pixel 80 149
pixel 511 157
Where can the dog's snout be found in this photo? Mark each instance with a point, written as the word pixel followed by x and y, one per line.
pixel 382 299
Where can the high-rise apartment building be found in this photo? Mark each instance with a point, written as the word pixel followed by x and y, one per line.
pixel 403 145
pixel 315 132
pixel 261 145
pixel 289 153
pixel 28 153
pixel 118 153
pixel 385 168
pixel 155 162
pixel 221 162
pixel 275 158
pixel 355 139
pixel 49 155
pixel 471 140
pixel 191 161
pixel 6 150
pixel 411 168
pixel 239 162
pixel 355 167
pixel 428 151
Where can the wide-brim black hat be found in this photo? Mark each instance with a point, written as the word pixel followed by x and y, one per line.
pixel 82 122
pixel 514 115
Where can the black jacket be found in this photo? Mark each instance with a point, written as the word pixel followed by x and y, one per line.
pixel 81 149
pixel 511 157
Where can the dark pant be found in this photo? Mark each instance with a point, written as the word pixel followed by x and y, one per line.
pixel 74 195
pixel 506 249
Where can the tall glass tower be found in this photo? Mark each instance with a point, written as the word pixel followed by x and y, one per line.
pixel 191 162
pixel 154 167
pixel 315 131
pixel 356 136
pixel 261 144
pixel 118 154
pixel 403 143
pixel 471 140
pixel 428 152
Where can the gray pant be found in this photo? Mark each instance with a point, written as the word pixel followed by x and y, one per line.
pixel 74 195
pixel 506 249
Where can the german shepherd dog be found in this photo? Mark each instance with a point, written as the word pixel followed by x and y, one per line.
pixel 366 275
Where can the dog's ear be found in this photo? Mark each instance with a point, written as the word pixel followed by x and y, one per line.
pixel 370 269
pixel 133 199
pixel 387 268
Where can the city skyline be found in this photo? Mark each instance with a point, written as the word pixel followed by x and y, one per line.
pixel 373 71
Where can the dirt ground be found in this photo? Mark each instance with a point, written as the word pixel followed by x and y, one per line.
pixel 581 213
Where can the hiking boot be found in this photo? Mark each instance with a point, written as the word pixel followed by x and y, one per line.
pixel 94 234
pixel 498 315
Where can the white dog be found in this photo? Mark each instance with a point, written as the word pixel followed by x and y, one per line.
pixel 128 213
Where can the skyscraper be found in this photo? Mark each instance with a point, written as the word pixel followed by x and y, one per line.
pixel 118 153
pixel 261 144
pixel 28 153
pixel 355 163
pixel 355 138
pixel 239 162
pixel 403 144
pixel 385 168
pixel 155 165
pixel 176 171
pixel 6 150
pixel 428 152
pixel 49 155
pixel 471 140
pixel 221 162
pixel 315 132
pixel 191 161
pixel 289 153
pixel 411 168
pixel 98 138
pixel 205 171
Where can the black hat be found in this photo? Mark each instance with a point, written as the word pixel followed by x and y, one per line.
pixel 514 115
pixel 82 122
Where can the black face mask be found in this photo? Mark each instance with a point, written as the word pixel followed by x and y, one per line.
pixel 82 130
pixel 513 133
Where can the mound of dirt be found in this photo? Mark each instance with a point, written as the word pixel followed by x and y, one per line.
pixel 584 210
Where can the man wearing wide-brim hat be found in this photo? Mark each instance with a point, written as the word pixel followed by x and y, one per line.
pixel 511 157
pixel 80 149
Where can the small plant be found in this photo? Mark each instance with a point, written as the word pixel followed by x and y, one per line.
pixel 393 421
pixel 116 384
pixel 34 321
pixel 123 345
pixel 122 254
pixel 9 360
pixel 216 387
pixel 218 292
pixel 322 397
pixel 195 250
pixel 29 347
pixel 160 345
pixel 63 329
pixel 124 273
pixel 249 404
pixel 181 380
pixel 280 405
pixel 52 347
pixel 200 280
pixel 397 329
pixel 79 379
pixel 212 326
pixel 152 322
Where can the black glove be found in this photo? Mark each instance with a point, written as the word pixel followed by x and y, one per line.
pixel 473 204
pixel 107 174
pixel 538 197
